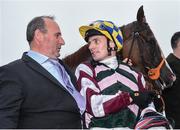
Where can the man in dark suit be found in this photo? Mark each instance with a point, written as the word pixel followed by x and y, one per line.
pixel 171 95
pixel 38 90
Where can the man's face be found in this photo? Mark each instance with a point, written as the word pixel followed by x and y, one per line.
pixel 98 47
pixel 52 40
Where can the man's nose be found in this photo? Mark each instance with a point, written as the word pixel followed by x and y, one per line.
pixel 61 41
pixel 90 45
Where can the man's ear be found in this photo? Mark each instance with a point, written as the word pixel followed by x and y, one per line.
pixel 38 35
pixel 112 44
pixel 178 43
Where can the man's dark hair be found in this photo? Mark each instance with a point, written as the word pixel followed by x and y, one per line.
pixel 175 39
pixel 36 23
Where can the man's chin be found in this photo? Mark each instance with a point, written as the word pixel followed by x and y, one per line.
pixel 58 55
pixel 96 59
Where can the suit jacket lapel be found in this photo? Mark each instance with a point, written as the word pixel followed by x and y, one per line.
pixel 38 68
pixel 73 78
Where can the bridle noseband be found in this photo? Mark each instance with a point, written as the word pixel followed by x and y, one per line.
pixel 154 73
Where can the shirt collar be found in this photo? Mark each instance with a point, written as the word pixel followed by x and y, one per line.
pixel 40 58
pixel 110 62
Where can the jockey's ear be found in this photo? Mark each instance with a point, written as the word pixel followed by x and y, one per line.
pixel 111 44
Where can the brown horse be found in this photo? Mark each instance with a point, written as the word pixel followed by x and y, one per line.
pixel 141 46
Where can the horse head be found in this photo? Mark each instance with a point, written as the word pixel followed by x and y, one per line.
pixel 141 46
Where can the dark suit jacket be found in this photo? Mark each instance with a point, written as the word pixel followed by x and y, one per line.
pixel 171 95
pixel 30 97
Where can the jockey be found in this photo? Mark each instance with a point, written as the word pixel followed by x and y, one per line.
pixel 114 92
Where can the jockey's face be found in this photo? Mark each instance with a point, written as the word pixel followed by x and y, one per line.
pixel 98 47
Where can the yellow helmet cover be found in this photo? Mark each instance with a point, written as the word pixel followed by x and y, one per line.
pixel 107 28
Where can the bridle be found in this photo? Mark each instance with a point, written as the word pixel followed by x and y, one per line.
pixel 153 72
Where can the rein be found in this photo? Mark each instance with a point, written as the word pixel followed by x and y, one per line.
pixel 153 73
pixel 130 51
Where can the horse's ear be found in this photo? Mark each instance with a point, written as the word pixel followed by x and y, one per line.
pixel 140 15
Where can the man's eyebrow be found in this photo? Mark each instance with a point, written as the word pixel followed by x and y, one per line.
pixel 94 39
pixel 58 34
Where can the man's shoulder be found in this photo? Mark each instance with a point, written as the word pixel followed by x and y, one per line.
pixel 172 60
pixel 11 69
pixel 13 63
pixel 86 64
pixel 85 67
pixel 170 57
pixel 16 63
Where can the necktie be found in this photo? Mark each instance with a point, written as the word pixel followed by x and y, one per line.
pixel 66 79
pixel 63 76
